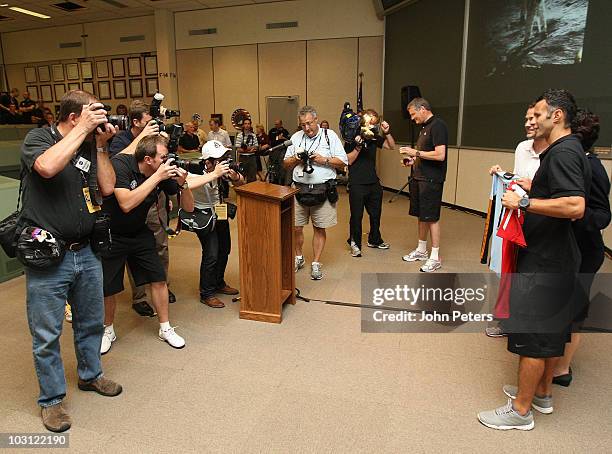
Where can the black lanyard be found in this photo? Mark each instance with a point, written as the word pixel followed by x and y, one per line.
pixel 304 136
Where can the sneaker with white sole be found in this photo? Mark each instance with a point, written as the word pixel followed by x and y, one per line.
pixel 415 255
pixel 108 338
pixel 355 251
pixel 316 272
pixel 170 336
pixel 506 418
pixel 495 331
pixel 382 245
pixel 542 404
pixel 431 265
pixel 299 263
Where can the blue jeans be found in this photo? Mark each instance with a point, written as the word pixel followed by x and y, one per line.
pixel 77 279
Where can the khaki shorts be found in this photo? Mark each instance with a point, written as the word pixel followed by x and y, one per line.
pixel 323 216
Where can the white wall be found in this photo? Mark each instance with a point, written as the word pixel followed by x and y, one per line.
pixel 317 19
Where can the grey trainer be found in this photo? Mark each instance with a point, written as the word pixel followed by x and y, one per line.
pixel 542 404
pixel 299 263
pixel 355 251
pixel 431 265
pixel 316 272
pixel 415 255
pixel 506 418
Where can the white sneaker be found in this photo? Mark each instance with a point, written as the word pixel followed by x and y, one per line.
pixel 170 336
pixel 108 338
pixel 316 273
pixel 415 255
pixel 299 263
pixel 355 251
pixel 431 265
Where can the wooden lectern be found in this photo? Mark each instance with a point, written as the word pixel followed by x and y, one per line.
pixel 266 241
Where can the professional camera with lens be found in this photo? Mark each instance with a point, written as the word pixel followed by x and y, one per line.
pixel 159 112
pixel 306 161
pixel 121 122
pixel 354 124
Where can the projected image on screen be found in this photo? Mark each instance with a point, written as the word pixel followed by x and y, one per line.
pixel 533 33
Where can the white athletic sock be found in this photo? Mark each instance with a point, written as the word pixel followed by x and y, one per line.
pixel 422 247
pixel 299 257
pixel 165 326
pixel 434 253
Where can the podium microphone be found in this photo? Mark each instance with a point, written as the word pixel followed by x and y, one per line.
pixel 285 144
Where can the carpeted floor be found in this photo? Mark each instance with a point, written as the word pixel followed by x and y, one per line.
pixel 315 383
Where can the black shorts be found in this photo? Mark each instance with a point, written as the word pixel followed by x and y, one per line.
pixel 425 200
pixel 141 256
pixel 534 345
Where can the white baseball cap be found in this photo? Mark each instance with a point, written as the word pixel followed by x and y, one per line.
pixel 214 149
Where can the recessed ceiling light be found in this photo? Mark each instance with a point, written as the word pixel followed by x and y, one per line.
pixel 3 5
pixel 28 12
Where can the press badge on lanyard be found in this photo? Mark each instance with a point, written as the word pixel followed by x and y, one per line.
pixel 90 206
pixel 221 211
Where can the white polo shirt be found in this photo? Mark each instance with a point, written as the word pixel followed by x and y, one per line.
pixel 526 160
pixel 318 144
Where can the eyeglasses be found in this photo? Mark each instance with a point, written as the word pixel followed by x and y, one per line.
pixel 164 157
pixel 310 124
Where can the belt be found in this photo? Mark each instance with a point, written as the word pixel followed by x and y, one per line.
pixel 76 245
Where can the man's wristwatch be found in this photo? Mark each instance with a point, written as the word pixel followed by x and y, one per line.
pixel 185 185
pixel 524 203
pixel 417 154
pixel 327 162
pixel 101 150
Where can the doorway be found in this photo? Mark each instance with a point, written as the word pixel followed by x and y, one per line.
pixel 283 107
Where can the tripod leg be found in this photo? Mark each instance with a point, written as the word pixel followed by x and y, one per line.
pixel 398 193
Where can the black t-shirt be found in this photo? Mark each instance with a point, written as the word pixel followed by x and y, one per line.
pixel 433 133
pixel 189 141
pixel 55 204
pixel 363 169
pixel 274 132
pixel 129 177
pixel 27 116
pixel 121 141
pixel 596 215
pixel 551 245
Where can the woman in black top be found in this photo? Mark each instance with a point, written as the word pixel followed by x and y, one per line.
pixel 588 235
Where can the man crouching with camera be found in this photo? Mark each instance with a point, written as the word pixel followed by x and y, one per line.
pixel 314 157
pixel 59 210
pixel 140 178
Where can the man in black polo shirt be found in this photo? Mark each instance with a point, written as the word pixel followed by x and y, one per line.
pixel 56 196
pixel 543 284
pixel 277 135
pixel 189 141
pixel 141 126
pixel 26 107
pixel 428 162
pixel 365 189
pixel 140 176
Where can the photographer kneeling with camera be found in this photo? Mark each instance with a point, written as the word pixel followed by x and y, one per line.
pixel 216 243
pixel 140 178
pixel 315 155
pixel 57 224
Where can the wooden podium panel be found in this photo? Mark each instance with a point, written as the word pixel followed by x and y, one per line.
pixel 266 242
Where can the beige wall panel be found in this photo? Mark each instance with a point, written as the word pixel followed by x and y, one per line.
pixel 235 72
pixel 393 175
pixel 317 19
pixel 45 49
pixel 195 76
pixel 473 179
pixel 282 72
pixel 331 77
pixel 104 37
pixel 450 185
pixel 370 64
